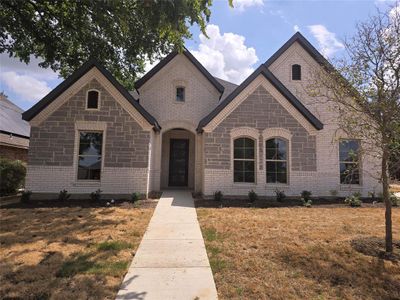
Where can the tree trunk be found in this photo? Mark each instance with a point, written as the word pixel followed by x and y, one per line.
pixel 388 204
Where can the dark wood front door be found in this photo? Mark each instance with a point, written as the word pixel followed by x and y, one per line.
pixel 178 162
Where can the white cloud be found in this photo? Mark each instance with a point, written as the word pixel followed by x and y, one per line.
pixel 26 86
pixel 327 40
pixel 241 5
pixel 14 64
pixel 296 28
pixel 225 56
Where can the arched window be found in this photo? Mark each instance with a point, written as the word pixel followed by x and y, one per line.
pixel 243 160
pixel 296 72
pixel 276 160
pixel 92 101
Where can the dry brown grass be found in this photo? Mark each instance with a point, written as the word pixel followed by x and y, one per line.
pixel 301 253
pixel 395 188
pixel 67 252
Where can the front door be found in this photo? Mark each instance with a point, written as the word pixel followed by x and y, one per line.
pixel 178 162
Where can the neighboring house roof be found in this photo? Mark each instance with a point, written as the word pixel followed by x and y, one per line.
pixel 229 87
pixel 310 49
pixel 11 121
pixel 262 70
pixel 49 98
pixel 191 58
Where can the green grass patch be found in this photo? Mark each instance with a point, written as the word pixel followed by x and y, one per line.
pixel 113 245
pixel 114 268
pixel 213 250
pixel 79 264
pixel 217 264
pixel 210 234
pixel 82 264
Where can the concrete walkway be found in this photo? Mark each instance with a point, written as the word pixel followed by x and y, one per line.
pixel 171 261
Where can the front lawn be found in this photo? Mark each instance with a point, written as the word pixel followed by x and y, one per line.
pixel 301 253
pixel 67 252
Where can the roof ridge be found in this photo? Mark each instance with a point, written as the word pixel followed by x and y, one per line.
pixel 76 75
pixel 168 58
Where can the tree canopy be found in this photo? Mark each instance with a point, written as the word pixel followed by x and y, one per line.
pixel 121 34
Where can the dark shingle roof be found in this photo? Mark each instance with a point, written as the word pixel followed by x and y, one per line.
pixel 229 87
pixel 298 37
pixel 49 98
pixel 262 70
pixel 191 58
pixel 11 118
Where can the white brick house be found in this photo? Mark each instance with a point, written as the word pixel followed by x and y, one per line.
pixel 184 128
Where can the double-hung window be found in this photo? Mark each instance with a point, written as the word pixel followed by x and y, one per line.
pixel 90 155
pixel 349 161
pixel 276 160
pixel 244 160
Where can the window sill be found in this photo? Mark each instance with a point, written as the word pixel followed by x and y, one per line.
pixel 347 187
pixel 244 184
pixel 91 183
pixel 273 186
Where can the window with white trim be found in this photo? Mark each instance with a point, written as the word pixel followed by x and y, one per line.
pixel 90 155
pixel 244 160
pixel 276 160
pixel 349 161
pixel 92 99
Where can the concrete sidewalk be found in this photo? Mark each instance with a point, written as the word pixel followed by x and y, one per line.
pixel 171 261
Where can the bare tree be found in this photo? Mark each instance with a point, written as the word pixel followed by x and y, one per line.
pixel 364 92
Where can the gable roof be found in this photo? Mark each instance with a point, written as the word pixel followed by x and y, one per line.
pixel 191 58
pixel 11 120
pixel 262 70
pixel 229 87
pixel 86 67
pixel 310 49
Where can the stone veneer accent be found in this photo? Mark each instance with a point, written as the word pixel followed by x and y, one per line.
pixel 126 143
pixel 260 111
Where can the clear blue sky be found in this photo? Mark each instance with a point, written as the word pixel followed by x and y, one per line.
pixel 240 40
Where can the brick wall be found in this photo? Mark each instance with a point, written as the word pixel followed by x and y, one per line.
pixel 126 143
pixel 260 111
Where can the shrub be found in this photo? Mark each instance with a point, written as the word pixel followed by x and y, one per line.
pixel 12 176
pixel 280 195
pixel 96 195
pixel 135 197
pixel 63 195
pixel 372 195
pixel 218 196
pixel 306 198
pixel 394 199
pixel 306 195
pixel 253 196
pixel 306 203
pixel 26 196
pixel 354 200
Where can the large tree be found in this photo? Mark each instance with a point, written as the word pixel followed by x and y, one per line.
pixel 364 93
pixel 121 34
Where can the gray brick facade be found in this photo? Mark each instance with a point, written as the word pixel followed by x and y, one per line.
pixel 126 143
pixel 260 111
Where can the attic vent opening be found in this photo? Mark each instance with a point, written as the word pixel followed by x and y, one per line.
pixel 296 72
pixel 92 101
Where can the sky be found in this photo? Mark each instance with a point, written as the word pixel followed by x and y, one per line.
pixel 240 39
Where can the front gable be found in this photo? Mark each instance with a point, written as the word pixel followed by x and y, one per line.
pixel 88 72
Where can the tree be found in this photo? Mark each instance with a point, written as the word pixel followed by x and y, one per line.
pixel 364 93
pixel 121 34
